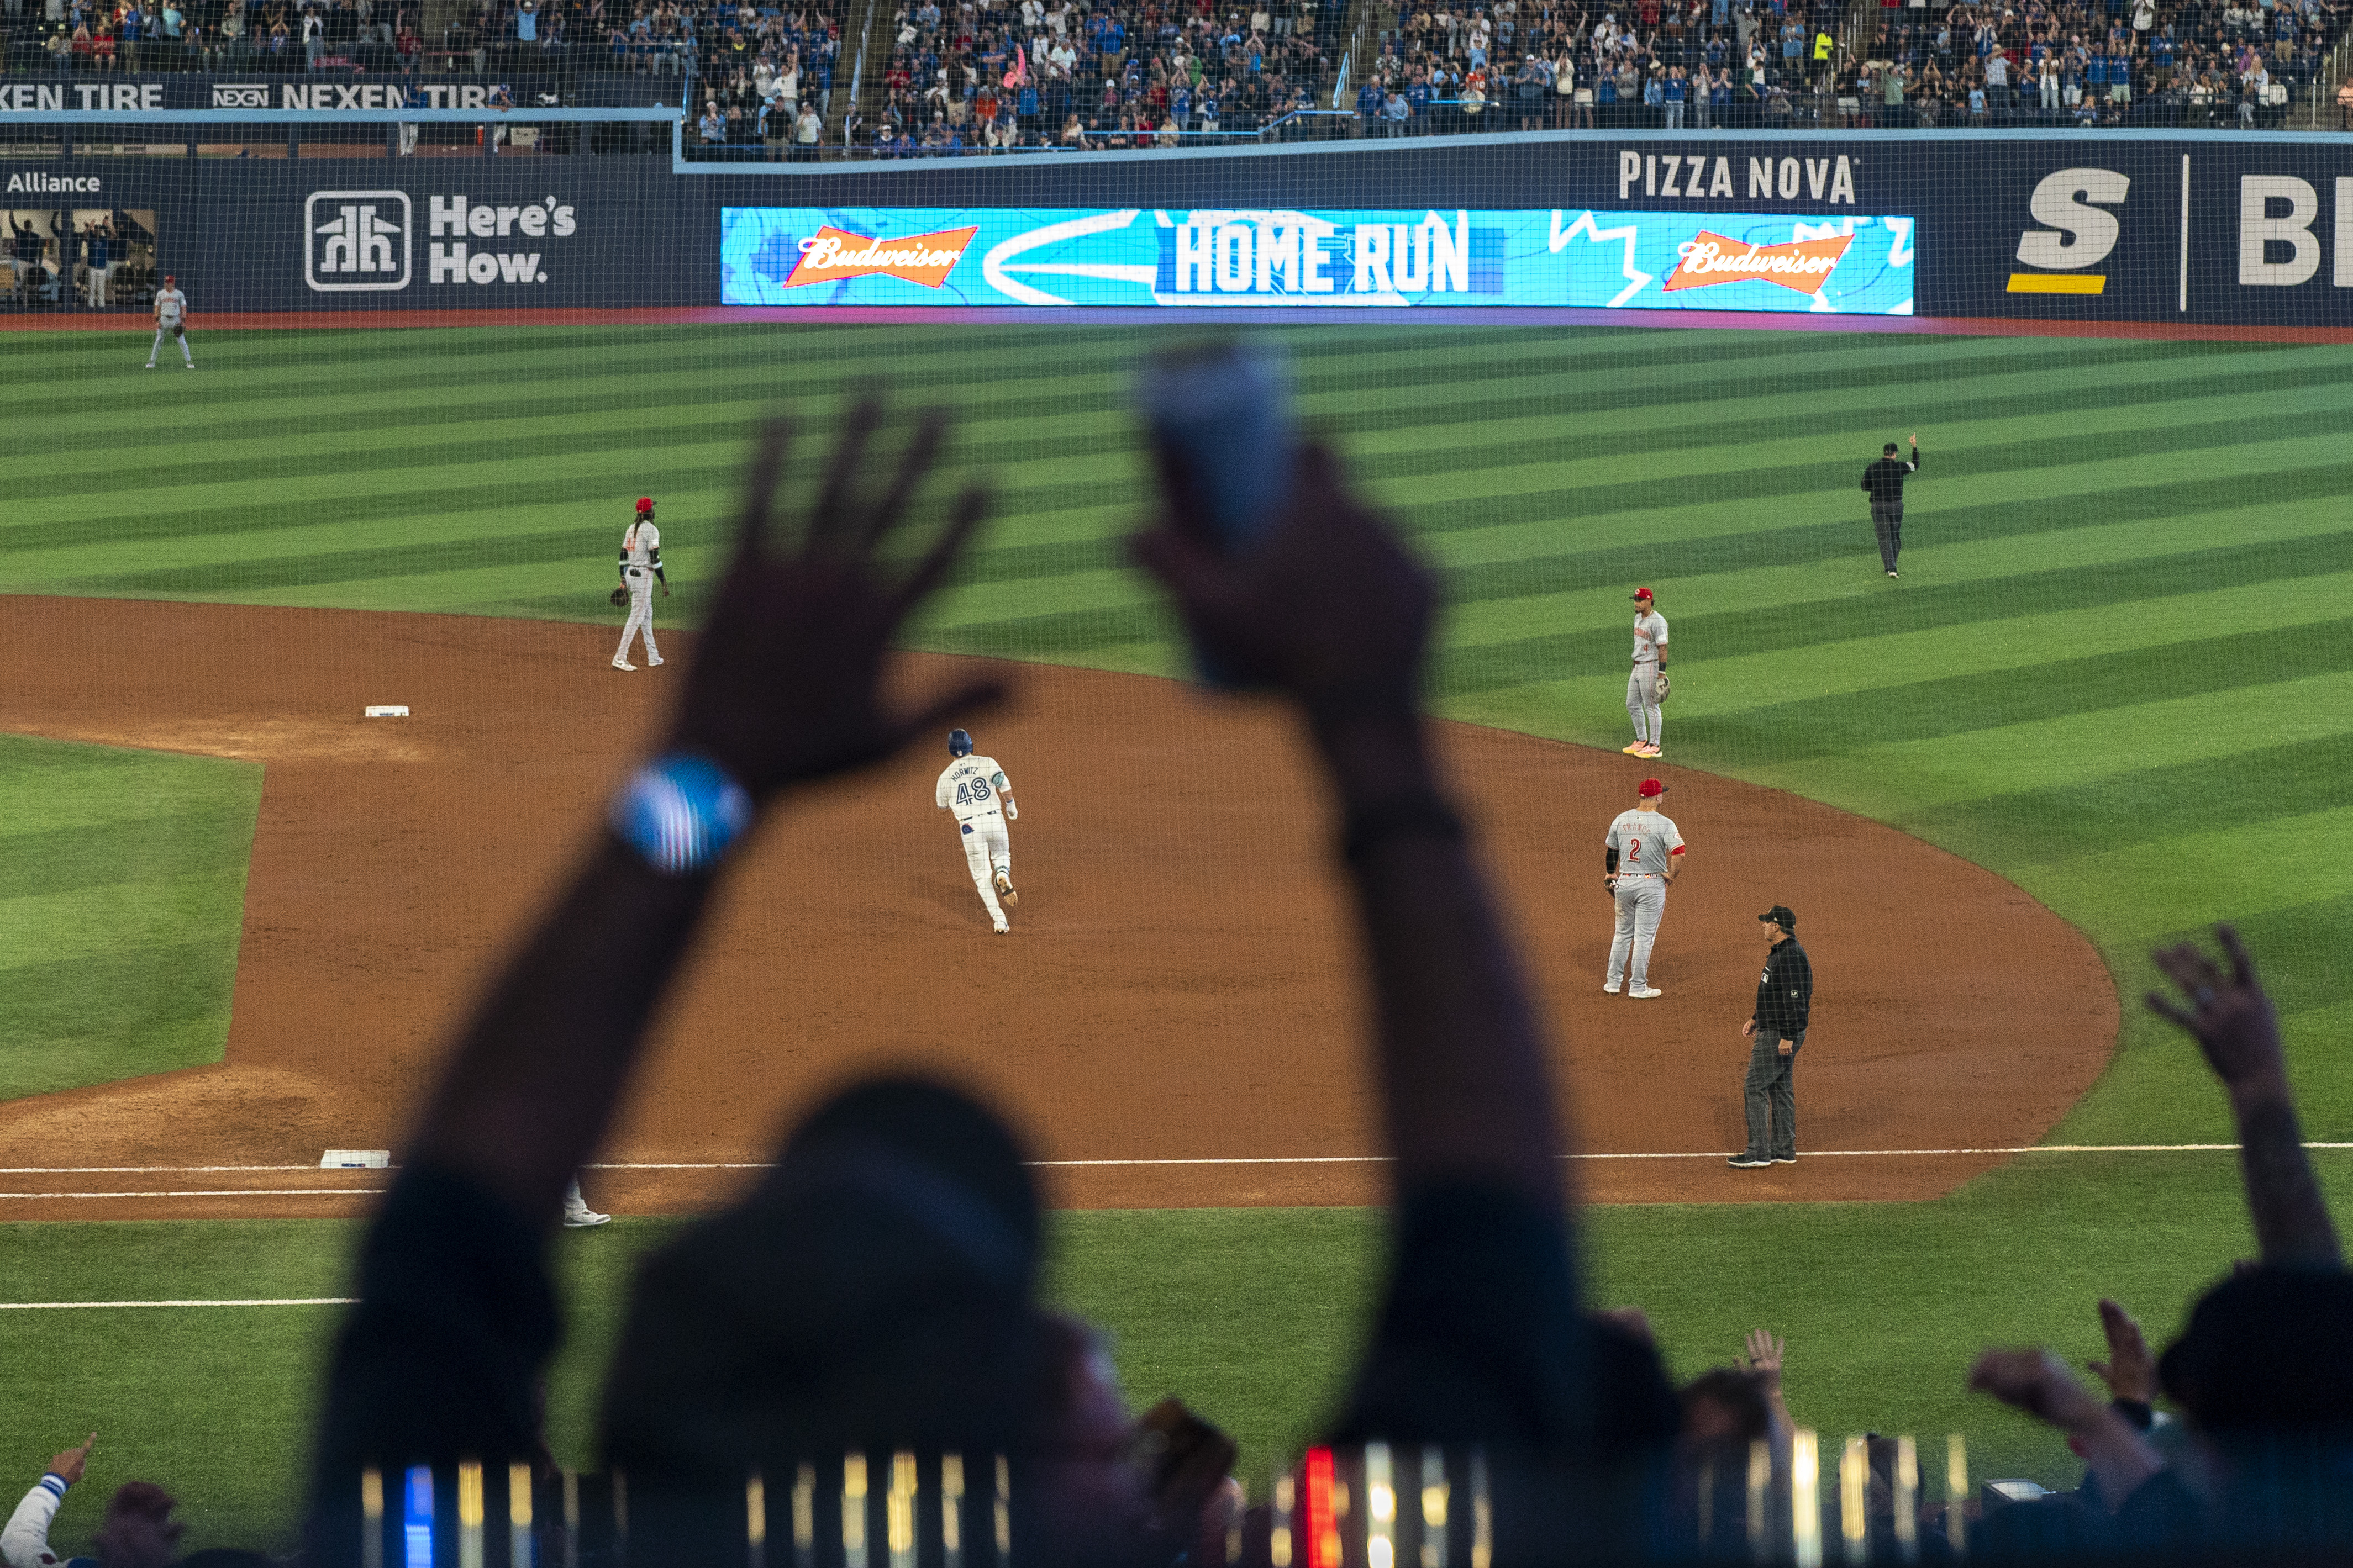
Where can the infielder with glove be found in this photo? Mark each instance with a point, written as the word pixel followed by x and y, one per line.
pixel 974 789
pixel 1647 687
pixel 1643 852
pixel 640 567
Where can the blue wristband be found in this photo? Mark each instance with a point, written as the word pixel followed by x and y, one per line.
pixel 681 812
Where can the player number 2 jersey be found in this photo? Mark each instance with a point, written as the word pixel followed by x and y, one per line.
pixel 1643 840
pixel 970 787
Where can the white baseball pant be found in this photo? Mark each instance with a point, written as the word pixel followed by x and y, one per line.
pixel 1642 903
pixel 641 615
pixel 988 850
pixel 1643 702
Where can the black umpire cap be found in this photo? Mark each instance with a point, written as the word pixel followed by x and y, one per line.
pixel 1783 916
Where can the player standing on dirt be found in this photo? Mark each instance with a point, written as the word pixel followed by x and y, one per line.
pixel 1647 687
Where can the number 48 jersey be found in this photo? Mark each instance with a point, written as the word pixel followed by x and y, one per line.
pixel 1643 840
pixel 970 787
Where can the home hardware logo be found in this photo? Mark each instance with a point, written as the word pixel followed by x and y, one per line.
pixel 356 241
pixel 2078 232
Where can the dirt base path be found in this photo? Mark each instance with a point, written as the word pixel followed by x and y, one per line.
pixel 1179 987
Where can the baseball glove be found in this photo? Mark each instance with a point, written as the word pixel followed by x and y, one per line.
pixel 620 595
pixel 1666 686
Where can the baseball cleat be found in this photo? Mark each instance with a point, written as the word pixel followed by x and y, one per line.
pixel 585 1218
pixel 1644 992
pixel 1610 986
pixel 1005 889
pixel 1635 750
pixel 1652 751
pixel 1749 1161
pixel 623 664
pixel 1892 574
pixel 151 365
pixel 653 661
pixel 1002 929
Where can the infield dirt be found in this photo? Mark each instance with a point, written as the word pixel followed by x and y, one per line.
pixel 1180 984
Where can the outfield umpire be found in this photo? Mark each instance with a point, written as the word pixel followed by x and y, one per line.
pixel 1885 482
pixel 1785 996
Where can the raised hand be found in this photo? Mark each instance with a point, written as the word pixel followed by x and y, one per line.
pixel 2130 1371
pixel 67 1466
pixel 2038 1382
pixel 1327 606
pixel 2230 1017
pixel 1763 1353
pixel 786 680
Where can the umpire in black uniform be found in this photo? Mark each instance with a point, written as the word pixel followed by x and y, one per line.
pixel 1884 481
pixel 1785 996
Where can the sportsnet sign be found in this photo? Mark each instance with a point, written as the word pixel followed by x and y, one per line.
pixel 1213 258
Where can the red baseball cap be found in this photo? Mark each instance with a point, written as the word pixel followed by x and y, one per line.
pixel 1652 789
pixel 645 503
pixel 1644 594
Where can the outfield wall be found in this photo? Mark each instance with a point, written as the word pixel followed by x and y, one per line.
pixel 2217 229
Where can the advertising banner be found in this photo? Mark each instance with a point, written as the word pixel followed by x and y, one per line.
pixel 818 256
pixel 325 92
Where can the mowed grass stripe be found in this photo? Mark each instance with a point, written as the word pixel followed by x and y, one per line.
pixel 2021 826
pixel 1898 779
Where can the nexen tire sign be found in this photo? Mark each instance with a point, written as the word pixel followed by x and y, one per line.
pixel 366 241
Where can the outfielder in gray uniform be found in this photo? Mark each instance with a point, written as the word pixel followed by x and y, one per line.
pixel 1644 851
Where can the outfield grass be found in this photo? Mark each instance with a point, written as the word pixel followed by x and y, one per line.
pixel 2118 669
pixel 118 925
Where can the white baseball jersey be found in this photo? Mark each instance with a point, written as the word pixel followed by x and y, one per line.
pixel 170 306
pixel 641 543
pixel 1644 841
pixel 970 787
pixel 1649 636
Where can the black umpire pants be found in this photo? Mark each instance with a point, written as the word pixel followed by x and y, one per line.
pixel 1887 521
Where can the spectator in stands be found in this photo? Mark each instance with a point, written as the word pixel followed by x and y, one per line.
pixel 138 1530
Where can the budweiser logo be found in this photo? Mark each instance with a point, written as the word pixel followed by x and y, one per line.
pixel 1803 265
pixel 924 258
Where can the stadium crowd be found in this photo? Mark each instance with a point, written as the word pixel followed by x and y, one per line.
pixel 876 1292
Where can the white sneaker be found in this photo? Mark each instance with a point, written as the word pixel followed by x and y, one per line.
pixel 1644 992
pixel 653 661
pixel 192 365
pixel 585 1218
pixel 1610 987
pixel 151 365
pixel 623 664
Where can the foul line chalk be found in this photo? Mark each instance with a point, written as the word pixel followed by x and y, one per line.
pixel 225 1193
pixel 85 1306
pixel 1081 1164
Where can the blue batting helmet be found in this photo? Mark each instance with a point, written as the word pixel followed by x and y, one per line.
pixel 959 743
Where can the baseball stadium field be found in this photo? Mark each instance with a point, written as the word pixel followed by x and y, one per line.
pixel 2116 673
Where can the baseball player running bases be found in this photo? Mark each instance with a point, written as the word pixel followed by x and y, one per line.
pixel 640 568
pixel 1647 687
pixel 1642 853
pixel 170 316
pixel 975 788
